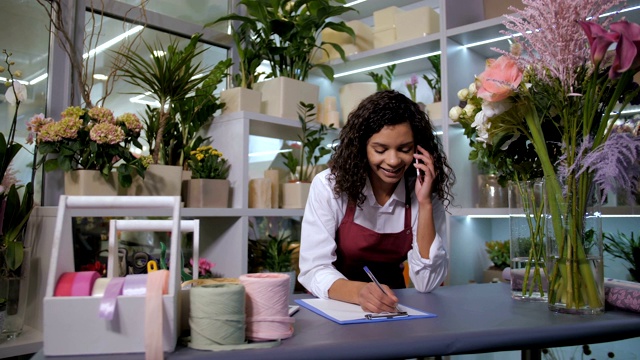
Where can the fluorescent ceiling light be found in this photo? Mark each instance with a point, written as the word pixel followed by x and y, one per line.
pixel 386 64
pixel 354 2
pixel 112 42
pixel 272 152
pixel 38 79
pixel 490 41
pixel 100 76
pixel 487 216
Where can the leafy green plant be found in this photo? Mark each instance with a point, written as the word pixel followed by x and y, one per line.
pixel 434 81
pixel 169 76
pixel 383 82
pixel 285 33
pixel 311 150
pixel 626 248
pixel 277 252
pixel 499 253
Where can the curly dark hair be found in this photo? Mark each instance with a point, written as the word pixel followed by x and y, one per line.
pixel 389 107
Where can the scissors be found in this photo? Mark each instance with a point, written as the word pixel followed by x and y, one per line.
pixel 152 266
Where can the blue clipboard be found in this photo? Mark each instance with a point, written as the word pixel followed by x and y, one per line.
pixel 346 313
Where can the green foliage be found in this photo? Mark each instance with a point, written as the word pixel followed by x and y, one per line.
pixel 278 251
pixel 16 214
pixel 285 33
pixel 192 113
pixel 499 253
pixel 434 81
pixel 169 77
pixel 311 149
pixel 383 82
pixel 625 248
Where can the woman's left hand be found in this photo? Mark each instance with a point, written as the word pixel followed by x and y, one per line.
pixel 424 183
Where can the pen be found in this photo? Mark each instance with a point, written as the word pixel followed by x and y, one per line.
pixel 373 278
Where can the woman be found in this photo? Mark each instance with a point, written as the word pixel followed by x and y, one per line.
pixel 356 216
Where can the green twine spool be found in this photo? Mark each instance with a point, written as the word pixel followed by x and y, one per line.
pixel 217 318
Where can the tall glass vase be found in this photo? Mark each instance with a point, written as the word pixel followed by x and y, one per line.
pixel 14 290
pixel 527 241
pixel 575 250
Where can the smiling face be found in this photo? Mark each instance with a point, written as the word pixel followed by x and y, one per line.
pixel 390 153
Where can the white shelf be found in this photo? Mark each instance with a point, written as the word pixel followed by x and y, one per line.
pixel 29 342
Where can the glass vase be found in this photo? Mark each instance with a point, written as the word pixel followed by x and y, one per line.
pixel 575 250
pixel 527 240
pixel 14 289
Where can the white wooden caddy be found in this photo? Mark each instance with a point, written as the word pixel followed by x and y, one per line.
pixel 71 324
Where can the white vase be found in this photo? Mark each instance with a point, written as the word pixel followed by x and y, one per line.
pixel 352 94
pixel 159 180
pixel 241 99
pixel 206 193
pixel 281 96
pixel 89 183
pixel 434 110
pixel 295 194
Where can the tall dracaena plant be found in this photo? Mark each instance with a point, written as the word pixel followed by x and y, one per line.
pixel 168 77
pixel 285 32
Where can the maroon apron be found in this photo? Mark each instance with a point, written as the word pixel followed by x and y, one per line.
pixel 384 254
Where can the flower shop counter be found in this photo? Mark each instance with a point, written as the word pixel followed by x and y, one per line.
pixel 470 319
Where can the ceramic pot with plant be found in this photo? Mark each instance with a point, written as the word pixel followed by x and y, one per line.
pixel 500 257
pixel 287 34
pixel 90 140
pixel 303 159
pixel 208 186
pixel 433 79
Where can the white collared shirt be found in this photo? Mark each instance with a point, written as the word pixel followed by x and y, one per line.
pixel 323 214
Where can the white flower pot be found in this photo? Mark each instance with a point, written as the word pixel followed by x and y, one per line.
pixel 295 194
pixel 241 99
pixel 352 94
pixel 281 96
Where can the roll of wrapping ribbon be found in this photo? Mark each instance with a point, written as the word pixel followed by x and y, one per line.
pixel 99 287
pixel 76 283
pixel 110 298
pixel 157 284
pixel 267 306
pixel 135 285
pixel 217 318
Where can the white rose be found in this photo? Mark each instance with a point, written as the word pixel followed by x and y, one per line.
pixel 455 112
pixel 463 94
pixel 469 109
pixel 473 89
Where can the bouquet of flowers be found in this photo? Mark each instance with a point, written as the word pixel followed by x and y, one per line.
pixel 90 139
pixel 560 76
pixel 208 163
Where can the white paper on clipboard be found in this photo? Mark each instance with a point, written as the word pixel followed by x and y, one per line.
pixel 346 313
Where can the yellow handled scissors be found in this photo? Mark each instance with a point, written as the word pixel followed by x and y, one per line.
pixel 152 265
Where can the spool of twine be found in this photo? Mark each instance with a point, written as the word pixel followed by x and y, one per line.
pixel 267 308
pixel 217 318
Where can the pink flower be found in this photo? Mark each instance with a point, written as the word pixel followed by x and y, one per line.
pixel 499 80
pixel 34 125
pixel 107 133
pixel 101 114
pixel 204 266
pixel 131 121
pixel 627 47
pixel 599 39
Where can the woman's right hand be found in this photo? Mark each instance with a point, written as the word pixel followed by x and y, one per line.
pixel 372 299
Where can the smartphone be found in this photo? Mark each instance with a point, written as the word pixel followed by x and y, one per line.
pixel 419 173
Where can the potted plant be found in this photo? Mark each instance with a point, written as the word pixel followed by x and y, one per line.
pixel 242 96
pixel 500 257
pixel 302 162
pixel 434 109
pixel 625 248
pixel 273 250
pixel 170 77
pixel 286 34
pixel 208 186
pixel 88 144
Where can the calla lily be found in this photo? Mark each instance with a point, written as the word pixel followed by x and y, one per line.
pixel 599 39
pixel 20 92
pixel 627 47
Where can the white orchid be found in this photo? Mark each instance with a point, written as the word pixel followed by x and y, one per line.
pixel 492 109
pixel 20 93
pixel 482 125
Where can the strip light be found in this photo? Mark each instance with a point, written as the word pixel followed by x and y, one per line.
pixel 108 44
pixel 354 3
pixel 386 64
